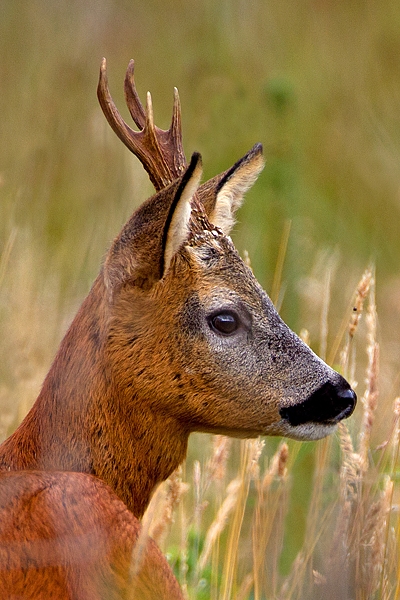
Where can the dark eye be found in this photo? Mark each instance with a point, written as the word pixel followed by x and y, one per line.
pixel 225 323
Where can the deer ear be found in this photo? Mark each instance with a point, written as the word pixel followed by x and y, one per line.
pixel 232 187
pixel 142 252
pixel 176 230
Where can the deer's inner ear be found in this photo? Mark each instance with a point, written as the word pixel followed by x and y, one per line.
pixel 233 186
pixel 176 230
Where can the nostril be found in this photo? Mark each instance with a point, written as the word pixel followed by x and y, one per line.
pixel 328 404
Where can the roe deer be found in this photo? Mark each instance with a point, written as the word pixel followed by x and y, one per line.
pixel 175 336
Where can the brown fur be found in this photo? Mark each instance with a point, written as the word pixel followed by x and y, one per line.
pixel 67 535
pixel 141 367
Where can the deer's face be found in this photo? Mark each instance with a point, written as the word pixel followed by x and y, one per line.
pixel 198 339
pixel 241 370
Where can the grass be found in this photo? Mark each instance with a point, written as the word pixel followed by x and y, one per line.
pixel 318 83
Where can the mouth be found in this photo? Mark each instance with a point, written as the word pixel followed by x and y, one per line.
pixel 327 406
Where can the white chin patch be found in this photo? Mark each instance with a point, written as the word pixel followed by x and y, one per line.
pixel 307 431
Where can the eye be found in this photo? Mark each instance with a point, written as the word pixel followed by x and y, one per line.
pixel 225 323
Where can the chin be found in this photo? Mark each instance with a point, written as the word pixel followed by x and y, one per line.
pixel 304 432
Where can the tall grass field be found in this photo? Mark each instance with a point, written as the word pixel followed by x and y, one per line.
pixel 318 83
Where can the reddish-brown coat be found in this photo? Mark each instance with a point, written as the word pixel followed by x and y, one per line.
pixel 67 535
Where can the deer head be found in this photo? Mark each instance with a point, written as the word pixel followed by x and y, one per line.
pixel 190 327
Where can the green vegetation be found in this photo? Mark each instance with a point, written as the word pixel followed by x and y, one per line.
pixel 318 83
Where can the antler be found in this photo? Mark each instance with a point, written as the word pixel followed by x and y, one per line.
pixel 160 151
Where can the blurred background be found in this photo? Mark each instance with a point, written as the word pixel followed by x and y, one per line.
pixel 316 81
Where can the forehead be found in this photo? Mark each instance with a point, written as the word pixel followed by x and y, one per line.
pixel 220 270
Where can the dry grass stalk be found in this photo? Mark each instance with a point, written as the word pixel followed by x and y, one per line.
pixel 370 397
pixel 138 554
pixel 390 585
pixel 286 591
pixel 374 541
pixel 277 468
pixel 362 290
pixel 304 335
pixel 174 490
pixel 246 258
pixel 369 401
pixel 319 579
pixel 216 467
pixel 266 517
pixel 220 521
pixel 245 588
pixel 276 292
pixel 339 558
pixel 396 434
pixel 158 518
pixel 396 536
pixel 350 471
pixel 361 294
pixel 326 296
pixel 200 505
pixel 6 252
pixel 6 418
pixel 197 479
pixel 317 517
pixel 340 555
pixel 301 580
pixel 250 454
pixel 255 451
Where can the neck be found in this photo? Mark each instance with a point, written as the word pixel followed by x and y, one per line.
pixel 82 421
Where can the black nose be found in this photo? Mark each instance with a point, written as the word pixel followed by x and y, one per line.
pixel 328 404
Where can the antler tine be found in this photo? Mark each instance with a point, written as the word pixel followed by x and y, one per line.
pixel 149 125
pixel 110 110
pixel 160 151
pixel 176 132
pixel 132 99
